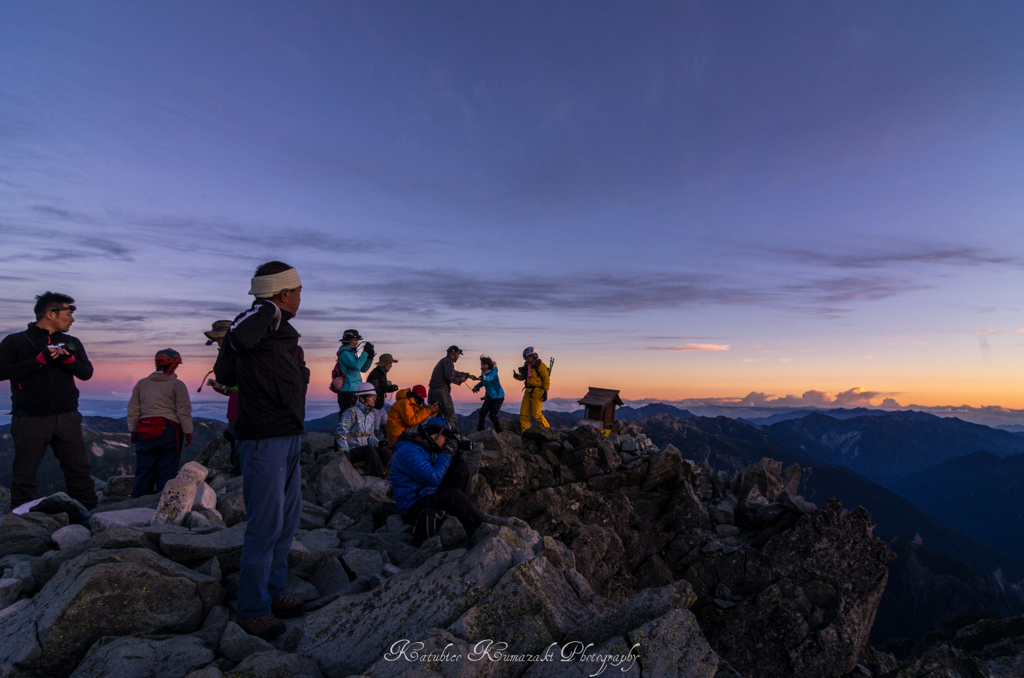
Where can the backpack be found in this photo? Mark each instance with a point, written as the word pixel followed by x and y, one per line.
pixel 338 378
pixel 428 524
pixel 225 369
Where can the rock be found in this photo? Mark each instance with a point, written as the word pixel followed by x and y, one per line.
pixel 99 522
pixel 540 434
pixel 5 501
pixel 231 505
pixel 62 503
pixel 665 467
pixel 673 645
pixel 339 522
pixel 175 501
pixel 211 568
pixel 727 530
pixel 193 471
pixel 771 512
pixel 131 657
pixel 27 533
pixel 316 443
pixel 274 665
pixel 66 537
pixel 765 475
pixel 195 521
pixel 120 486
pixel 121 538
pixel 796 504
pixel 226 545
pixel 22 571
pixel 302 590
pixel 236 644
pixel 104 593
pixel 330 577
pixel 452 533
pixel 206 497
pixel 213 516
pixel 314 517
pixel 944 661
pixel 208 672
pixel 337 480
pixel 10 589
pixel 791 476
pixel 362 561
pixel 100 485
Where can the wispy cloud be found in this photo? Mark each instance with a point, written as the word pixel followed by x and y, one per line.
pixel 903 254
pixel 691 347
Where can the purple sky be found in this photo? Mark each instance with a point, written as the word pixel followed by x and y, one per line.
pixel 829 194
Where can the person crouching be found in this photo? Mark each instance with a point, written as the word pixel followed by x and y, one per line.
pixel 429 478
pixel 159 417
pixel 356 435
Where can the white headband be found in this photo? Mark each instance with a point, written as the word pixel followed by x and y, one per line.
pixel 267 286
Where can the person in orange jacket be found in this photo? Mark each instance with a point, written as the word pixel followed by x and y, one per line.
pixel 407 411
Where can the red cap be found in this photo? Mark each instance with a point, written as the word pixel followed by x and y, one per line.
pixel 420 390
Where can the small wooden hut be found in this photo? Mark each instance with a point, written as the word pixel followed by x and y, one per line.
pixel 599 407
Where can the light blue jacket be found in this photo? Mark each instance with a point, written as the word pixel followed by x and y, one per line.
pixel 492 387
pixel 352 365
pixel 358 427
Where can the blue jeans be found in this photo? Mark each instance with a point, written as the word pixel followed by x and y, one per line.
pixel 156 462
pixel 272 489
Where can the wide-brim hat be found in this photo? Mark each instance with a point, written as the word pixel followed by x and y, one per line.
pixel 349 335
pixel 386 359
pixel 365 389
pixel 219 331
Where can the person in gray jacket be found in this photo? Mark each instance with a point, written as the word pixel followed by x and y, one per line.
pixel 441 380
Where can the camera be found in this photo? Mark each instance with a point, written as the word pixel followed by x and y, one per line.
pixel 465 445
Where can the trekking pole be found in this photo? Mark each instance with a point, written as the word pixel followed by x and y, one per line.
pixel 551 365
pixel 203 382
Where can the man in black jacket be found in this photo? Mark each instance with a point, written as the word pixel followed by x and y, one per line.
pixel 42 363
pixel 262 357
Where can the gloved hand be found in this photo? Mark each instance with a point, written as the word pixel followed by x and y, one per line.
pixel 369 350
pixel 545 398
pixel 188 439
pixel 476 389
pixel 133 436
pixel 392 388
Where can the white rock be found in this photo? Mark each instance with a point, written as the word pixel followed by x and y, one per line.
pixel 99 522
pixel 175 500
pixel 206 497
pixel 193 471
pixel 68 536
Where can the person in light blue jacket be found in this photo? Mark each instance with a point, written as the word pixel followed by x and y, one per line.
pixel 351 365
pixel 494 395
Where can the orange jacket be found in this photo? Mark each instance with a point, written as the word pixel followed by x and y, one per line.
pixel 403 414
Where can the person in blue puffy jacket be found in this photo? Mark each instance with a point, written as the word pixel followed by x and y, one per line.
pixel 429 474
pixel 494 395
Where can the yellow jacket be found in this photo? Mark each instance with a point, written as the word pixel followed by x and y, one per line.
pixel 403 414
pixel 538 376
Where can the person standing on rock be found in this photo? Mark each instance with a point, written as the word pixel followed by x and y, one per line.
pixel 441 380
pixel 216 335
pixel 350 367
pixel 408 410
pixel 42 363
pixel 494 395
pixel 535 391
pixel 356 435
pixel 429 476
pixel 262 357
pixel 159 418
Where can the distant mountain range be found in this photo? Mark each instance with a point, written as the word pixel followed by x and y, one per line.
pixel 887 447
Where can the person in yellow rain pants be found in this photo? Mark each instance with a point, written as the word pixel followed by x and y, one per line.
pixel 538 380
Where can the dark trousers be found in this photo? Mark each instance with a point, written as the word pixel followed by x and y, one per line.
pixel 229 435
pixel 376 458
pixel 490 408
pixel 156 462
pixel 63 433
pixel 452 496
pixel 346 399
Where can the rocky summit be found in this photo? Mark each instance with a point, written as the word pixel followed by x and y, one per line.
pixel 600 556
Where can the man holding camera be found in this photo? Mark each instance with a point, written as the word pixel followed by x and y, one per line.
pixel 350 368
pixel 441 380
pixel 42 363
pixel 538 380
pixel 429 477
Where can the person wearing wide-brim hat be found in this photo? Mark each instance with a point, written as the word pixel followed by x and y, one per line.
pixel 218 332
pixel 379 378
pixel 350 368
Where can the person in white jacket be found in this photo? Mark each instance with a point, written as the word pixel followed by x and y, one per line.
pixel 159 419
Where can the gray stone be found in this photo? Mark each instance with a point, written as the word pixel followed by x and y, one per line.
pixel 175 501
pixel 224 544
pixel 452 533
pixel 336 480
pixel 275 664
pixel 60 502
pixel 99 522
pixel 69 536
pixel 362 561
pixel 210 671
pixel 727 530
pixel 100 485
pixel 120 486
pixel 231 505
pixel 394 523
pixel 195 521
pixel 212 516
pixel 206 497
pixel 5 501
pixel 22 571
pixel 10 589
pixel 104 593
pixel 665 467
pixel 236 644
pixel 330 577
pixel 211 568
pixel 193 471
pixel 316 443
pixel 339 521
pixel 302 590
pixel 673 645
pixel 386 572
pixel 314 517
pixel 28 533
pixel 121 538
pixel 796 503
pixel 131 657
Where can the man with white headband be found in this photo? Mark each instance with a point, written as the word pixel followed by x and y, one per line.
pixel 262 357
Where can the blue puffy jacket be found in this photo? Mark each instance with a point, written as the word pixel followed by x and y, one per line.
pixel 415 472
pixel 492 387
pixel 352 365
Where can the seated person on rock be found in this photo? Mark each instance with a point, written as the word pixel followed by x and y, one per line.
pixel 408 410
pixel 429 475
pixel 356 435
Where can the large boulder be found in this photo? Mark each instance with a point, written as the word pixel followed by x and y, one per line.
pixel 132 517
pixel 226 545
pixel 72 535
pixel 130 657
pixel 231 505
pixel 28 533
pixel 104 593
pixel 336 481
pixel 176 501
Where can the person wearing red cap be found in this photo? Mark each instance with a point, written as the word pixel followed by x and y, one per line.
pixel 159 417
pixel 407 411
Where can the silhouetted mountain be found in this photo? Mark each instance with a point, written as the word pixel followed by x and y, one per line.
pixel 888 447
pixel 979 494
pixel 840 413
pixel 650 410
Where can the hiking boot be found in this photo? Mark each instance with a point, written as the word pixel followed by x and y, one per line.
pixel 287 607
pixel 266 627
